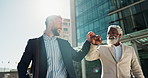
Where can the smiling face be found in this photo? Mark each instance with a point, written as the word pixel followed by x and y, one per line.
pixel 54 25
pixel 57 26
pixel 113 37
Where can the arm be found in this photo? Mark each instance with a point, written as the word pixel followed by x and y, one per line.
pixel 135 66
pixel 93 53
pixel 91 38
pixel 78 56
pixel 25 61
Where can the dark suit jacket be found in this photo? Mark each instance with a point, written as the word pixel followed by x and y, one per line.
pixel 39 58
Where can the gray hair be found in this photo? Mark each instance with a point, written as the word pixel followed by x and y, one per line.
pixel 116 27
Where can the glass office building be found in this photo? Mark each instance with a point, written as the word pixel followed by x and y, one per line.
pixel 97 15
pixel 91 15
pixel 132 14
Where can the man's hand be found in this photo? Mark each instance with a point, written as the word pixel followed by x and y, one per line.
pixel 90 35
pixel 96 40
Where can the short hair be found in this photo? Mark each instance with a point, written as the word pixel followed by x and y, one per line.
pixel 51 18
pixel 116 27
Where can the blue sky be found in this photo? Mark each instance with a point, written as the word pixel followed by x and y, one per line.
pixel 21 20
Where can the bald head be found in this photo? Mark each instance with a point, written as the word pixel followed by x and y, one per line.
pixel 51 19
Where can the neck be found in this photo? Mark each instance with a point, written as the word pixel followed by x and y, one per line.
pixel 117 44
pixel 49 33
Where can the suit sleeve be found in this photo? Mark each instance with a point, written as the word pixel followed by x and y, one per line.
pixel 25 61
pixel 93 53
pixel 78 56
pixel 135 66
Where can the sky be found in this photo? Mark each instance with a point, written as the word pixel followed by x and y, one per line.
pixel 21 20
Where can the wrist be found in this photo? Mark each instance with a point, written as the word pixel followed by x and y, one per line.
pixel 95 44
pixel 88 40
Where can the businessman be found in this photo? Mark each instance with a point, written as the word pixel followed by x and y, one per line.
pixel 51 56
pixel 118 60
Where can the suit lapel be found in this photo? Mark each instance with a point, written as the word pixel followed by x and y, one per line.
pixel 67 58
pixel 62 46
pixel 112 53
pixel 43 58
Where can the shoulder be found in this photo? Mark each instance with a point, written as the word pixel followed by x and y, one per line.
pixel 60 39
pixel 63 40
pixel 104 46
pixel 127 47
pixel 32 40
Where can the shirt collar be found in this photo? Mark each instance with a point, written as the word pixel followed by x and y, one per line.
pixel 114 45
pixel 49 38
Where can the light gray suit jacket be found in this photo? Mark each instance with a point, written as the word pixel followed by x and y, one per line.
pixel 113 69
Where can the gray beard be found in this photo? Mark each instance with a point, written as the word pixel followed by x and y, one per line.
pixel 112 41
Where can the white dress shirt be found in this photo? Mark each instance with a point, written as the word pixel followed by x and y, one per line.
pixel 56 67
pixel 118 52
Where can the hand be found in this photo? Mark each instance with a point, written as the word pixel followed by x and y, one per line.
pixel 90 35
pixel 96 40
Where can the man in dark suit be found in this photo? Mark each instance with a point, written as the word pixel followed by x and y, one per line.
pixel 51 56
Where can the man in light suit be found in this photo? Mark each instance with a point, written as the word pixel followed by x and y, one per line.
pixel 118 60
pixel 51 56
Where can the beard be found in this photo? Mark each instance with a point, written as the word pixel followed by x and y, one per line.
pixel 55 31
pixel 112 41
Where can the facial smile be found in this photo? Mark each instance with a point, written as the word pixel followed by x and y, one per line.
pixel 111 37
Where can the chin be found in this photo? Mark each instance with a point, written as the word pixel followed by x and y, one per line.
pixel 112 41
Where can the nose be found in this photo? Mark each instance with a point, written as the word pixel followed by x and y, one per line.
pixel 110 34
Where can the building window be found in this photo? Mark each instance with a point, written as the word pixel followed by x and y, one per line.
pixel 65 24
pixel 146 18
pixel 65 29
pixel 128 25
pixel 139 22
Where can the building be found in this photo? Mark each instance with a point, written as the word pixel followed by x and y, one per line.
pixel 97 15
pixel 65 33
pixel 8 73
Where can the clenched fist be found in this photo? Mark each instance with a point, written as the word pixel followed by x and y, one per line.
pixel 90 35
pixel 94 39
